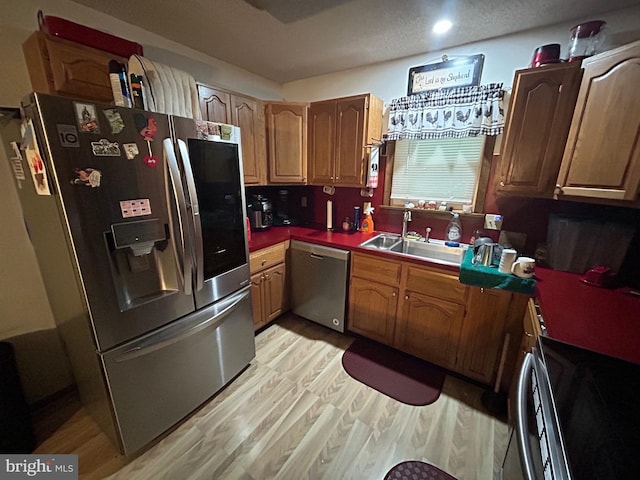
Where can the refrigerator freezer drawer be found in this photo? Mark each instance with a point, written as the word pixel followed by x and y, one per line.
pixel 158 379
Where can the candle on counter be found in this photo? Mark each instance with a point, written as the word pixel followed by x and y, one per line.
pixel 329 215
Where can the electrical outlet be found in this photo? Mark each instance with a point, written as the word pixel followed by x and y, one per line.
pixel 493 222
pixel 303 201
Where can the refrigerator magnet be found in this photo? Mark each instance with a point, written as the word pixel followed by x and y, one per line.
pixel 105 148
pixel 87 117
pixel 130 150
pixel 150 160
pixel 115 120
pixel 68 135
pixel 202 129
pixel 34 160
pixel 89 177
pixel 145 126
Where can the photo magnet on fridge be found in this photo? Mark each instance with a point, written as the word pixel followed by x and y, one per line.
pixel 87 117
pixel 145 126
pixel 130 150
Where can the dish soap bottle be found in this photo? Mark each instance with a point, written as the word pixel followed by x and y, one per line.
pixel 454 229
pixel 367 223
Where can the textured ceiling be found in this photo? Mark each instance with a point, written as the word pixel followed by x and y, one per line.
pixel 305 38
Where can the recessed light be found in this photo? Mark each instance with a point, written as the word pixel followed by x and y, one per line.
pixel 442 26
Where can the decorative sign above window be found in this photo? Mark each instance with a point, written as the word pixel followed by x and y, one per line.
pixel 459 72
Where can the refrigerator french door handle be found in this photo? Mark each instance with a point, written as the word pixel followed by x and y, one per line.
pixel 195 212
pixel 522 428
pixel 160 341
pixel 183 255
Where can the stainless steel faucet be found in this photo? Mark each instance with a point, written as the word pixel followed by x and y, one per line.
pixel 406 218
pixel 427 232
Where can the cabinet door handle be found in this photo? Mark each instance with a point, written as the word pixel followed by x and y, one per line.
pixel 393 294
pixel 406 297
pixel 502 184
pixel 264 262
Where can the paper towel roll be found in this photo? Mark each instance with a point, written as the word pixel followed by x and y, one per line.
pixel 329 215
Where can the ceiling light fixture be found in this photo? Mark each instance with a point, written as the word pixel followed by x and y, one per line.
pixel 442 26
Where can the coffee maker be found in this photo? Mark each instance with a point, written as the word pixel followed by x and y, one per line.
pixel 259 211
pixel 283 210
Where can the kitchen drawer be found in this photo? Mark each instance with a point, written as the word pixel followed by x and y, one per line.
pixel 374 268
pixel 267 257
pixel 435 283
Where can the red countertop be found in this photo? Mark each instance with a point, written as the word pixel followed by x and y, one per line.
pixel 604 320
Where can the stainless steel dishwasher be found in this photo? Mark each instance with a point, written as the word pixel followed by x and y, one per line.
pixel 319 283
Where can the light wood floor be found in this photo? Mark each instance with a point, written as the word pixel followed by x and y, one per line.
pixel 296 414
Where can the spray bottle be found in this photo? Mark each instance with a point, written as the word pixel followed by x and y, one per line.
pixel 367 223
pixel 454 229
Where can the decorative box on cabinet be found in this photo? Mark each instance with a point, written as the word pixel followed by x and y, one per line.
pixel 287 141
pixel 219 105
pixel 61 67
pixel 339 132
pixel 537 124
pixel 269 286
pixel 602 154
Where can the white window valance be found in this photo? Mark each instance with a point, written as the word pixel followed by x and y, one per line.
pixel 450 113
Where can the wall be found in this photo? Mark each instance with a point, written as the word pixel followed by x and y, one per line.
pixel 503 55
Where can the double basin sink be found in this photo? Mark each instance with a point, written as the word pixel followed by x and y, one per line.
pixel 433 250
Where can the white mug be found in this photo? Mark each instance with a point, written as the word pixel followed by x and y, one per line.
pixel 523 267
pixel 506 260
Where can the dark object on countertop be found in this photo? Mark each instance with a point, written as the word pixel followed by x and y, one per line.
pixel 398 375
pixel 601 276
pixel 16 431
pixel 415 469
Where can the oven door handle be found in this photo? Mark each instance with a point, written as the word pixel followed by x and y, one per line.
pixel 522 428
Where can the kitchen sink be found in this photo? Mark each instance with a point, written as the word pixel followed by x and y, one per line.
pixel 434 250
pixel 383 241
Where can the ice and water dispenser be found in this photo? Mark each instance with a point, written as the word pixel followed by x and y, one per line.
pixel 142 266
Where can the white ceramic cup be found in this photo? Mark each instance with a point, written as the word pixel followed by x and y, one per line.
pixel 523 267
pixel 506 260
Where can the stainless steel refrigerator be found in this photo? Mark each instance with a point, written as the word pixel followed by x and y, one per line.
pixel 138 223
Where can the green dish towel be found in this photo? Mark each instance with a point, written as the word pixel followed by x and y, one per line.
pixel 490 277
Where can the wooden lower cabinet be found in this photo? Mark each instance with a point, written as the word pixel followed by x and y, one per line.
pixel 428 313
pixel 372 309
pixel 482 335
pixel 429 328
pixel 269 296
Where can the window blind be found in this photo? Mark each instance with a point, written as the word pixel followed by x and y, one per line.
pixel 440 170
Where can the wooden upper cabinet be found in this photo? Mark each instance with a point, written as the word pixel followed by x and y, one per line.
pixel 602 155
pixel 62 67
pixel 287 141
pixel 219 105
pixel 339 132
pixel 322 134
pixel 215 105
pixel 248 114
pixel 537 124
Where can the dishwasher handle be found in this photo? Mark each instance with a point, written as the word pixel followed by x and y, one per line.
pixel 316 256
